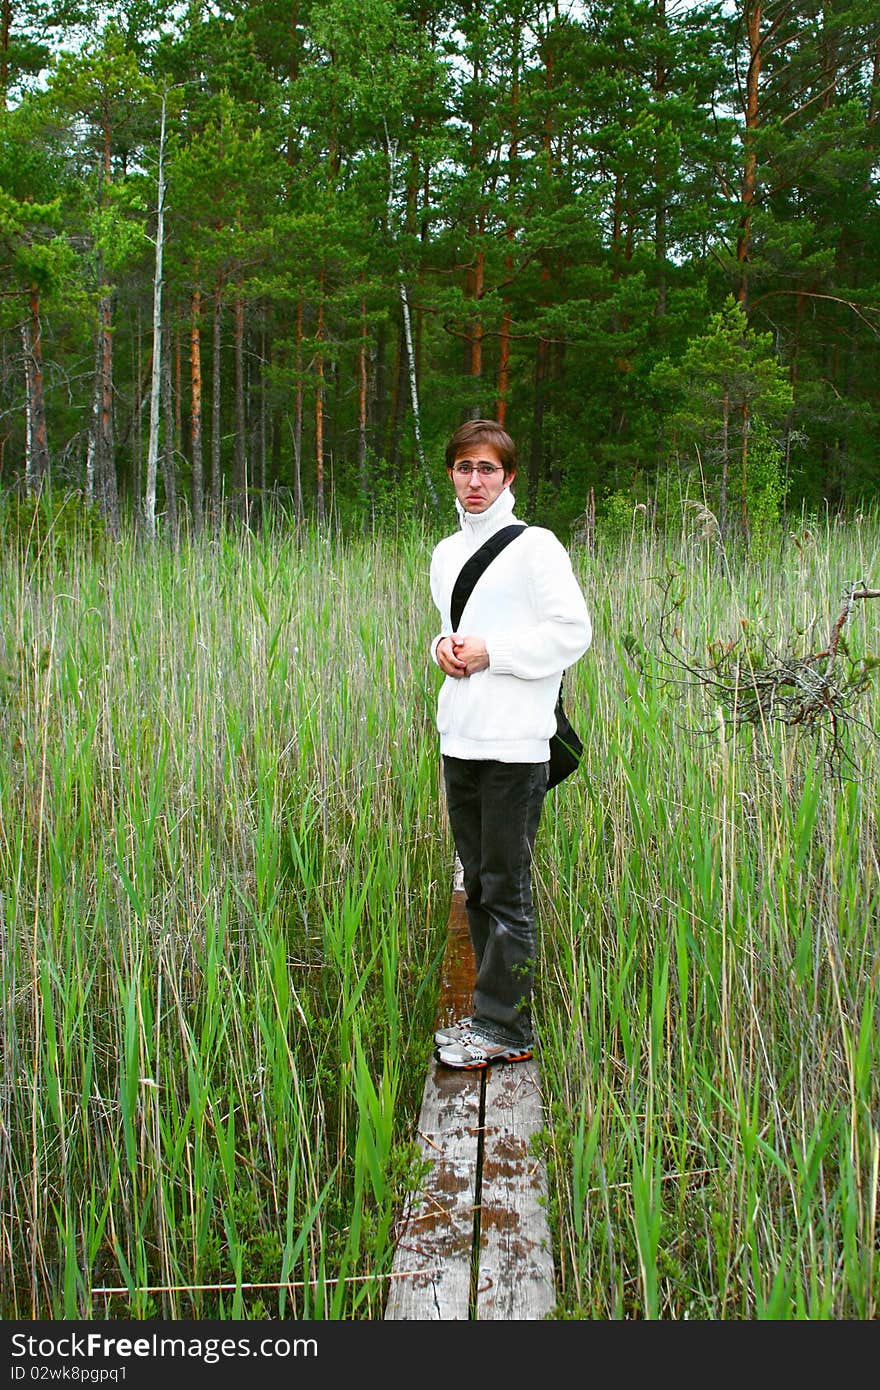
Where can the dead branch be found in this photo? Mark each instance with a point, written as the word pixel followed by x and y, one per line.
pixel 755 684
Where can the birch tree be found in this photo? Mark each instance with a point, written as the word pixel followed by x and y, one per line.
pixel 391 149
pixel 156 378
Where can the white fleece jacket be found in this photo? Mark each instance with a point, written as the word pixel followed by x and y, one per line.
pixel 529 609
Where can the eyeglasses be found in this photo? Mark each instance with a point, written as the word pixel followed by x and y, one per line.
pixel 485 470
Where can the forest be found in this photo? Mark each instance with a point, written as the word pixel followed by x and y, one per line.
pixel 267 255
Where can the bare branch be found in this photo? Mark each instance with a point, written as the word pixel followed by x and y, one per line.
pixel 755 684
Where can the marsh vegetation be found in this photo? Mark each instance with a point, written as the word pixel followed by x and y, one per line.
pixel 224 880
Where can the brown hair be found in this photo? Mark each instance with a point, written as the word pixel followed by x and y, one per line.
pixel 483 432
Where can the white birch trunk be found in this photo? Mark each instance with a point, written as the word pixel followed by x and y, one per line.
pixel 92 447
pixel 414 395
pixel 391 149
pixel 156 380
pixel 90 466
pixel 28 407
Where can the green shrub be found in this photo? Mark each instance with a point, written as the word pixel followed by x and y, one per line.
pixel 765 490
pixel 46 528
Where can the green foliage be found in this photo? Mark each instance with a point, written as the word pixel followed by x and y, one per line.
pixel 563 196
pixel 36 249
pixel 621 519
pixel 765 490
pixel 727 388
pixel 725 370
pixel 48 530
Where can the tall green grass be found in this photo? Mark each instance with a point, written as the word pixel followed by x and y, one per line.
pixel 224 878
pixel 223 887
pixel 711 956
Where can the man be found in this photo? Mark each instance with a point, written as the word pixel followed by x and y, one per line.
pixel 524 623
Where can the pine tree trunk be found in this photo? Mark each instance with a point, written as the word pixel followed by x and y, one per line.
pixel 362 404
pixel 216 499
pixel 503 368
pixel 101 465
pixel 536 458
pixel 319 409
pixel 473 342
pixel 262 432
pixel 298 416
pixel 479 281
pixel 239 443
pixel 195 366
pixel 396 405
pixel 37 465
pixel 503 387
pixel 168 452
pixel 255 427
pixel 178 395
pixel 276 417
pixel 381 411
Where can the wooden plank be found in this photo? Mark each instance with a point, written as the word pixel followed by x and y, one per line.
pixel 436 1268
pixel 457 974
pixel 433 1263
pixel 516 1279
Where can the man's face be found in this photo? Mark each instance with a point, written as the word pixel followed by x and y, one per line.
pixel 477 491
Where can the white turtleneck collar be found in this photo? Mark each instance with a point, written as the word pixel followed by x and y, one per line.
pixel 479 526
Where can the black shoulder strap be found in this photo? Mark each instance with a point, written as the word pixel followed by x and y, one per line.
pixel 473 568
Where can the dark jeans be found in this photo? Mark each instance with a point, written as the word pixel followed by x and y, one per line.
pixel 494 809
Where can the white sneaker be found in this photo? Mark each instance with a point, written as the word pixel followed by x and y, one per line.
pixel 453 1032
pixel 473 1051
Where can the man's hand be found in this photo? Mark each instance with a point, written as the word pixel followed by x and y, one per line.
pixel 447 659
pixel 471 653
pixel 462 656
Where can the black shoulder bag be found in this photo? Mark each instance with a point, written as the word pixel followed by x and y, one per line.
pixel 566 748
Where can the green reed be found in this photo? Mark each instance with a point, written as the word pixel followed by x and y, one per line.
pixel 221 900
pixel 710 976
pixel 224 877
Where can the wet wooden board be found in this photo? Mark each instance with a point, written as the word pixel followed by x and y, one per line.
pixel 457 972
pixel 515 1278
pixel 433 1264
pixel 475 1131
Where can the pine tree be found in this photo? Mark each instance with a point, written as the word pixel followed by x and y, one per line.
pixel 727 384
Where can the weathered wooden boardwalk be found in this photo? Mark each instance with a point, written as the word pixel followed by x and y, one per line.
pixel 475 1242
